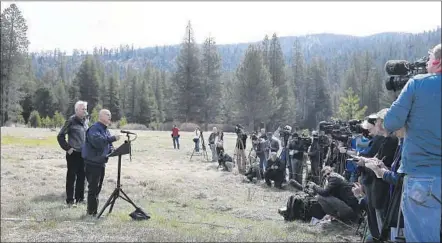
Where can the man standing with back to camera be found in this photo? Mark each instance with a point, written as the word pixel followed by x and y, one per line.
pixel 418 108
pixel 75 127
pixel 97 146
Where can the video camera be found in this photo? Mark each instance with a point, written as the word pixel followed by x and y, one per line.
pixel 328 127
pixel 355 127
pixel 400 71
pixel 302 143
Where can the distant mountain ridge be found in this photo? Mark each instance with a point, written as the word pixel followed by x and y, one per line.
pixel 331 47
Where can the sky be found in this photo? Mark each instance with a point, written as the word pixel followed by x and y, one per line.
pixel 84 25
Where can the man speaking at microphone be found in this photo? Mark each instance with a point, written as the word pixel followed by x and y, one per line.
pixel 97 146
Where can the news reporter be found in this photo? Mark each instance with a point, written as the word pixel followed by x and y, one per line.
pixel 418 108
pixel 97 146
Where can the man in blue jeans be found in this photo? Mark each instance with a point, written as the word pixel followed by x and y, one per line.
pixel 418 108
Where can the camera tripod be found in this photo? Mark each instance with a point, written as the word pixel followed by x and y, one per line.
pixel 125 148
pixel 203 147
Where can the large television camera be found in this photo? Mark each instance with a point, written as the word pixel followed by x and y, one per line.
pixel 400 71
pixel 328 127
pixel 300 143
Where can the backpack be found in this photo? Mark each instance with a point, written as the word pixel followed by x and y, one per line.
pixel 303 207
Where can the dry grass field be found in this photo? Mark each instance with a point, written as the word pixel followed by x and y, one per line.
pixel 187 200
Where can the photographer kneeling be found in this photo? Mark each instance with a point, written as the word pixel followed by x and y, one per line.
pixel 224 160
pixel 336 198
pixel 274 171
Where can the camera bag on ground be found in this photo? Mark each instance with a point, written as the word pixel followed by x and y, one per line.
pixel 302 207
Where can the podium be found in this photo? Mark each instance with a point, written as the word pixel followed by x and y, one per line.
pixel 125 148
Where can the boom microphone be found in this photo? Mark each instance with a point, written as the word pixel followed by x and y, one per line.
pixel 123 131
pixel 397 67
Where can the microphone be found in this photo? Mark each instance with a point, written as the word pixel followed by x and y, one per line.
pixel 397 67
pixel 127 132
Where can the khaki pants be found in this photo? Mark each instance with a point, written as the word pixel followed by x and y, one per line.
pixel 241 160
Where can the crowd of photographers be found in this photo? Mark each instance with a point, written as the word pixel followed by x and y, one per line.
pixel 384 171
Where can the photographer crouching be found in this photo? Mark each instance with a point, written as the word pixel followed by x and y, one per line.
pixel 274 171
pixel 336 198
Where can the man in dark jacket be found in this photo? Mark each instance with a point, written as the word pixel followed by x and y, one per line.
pixel 315 158
pixel 75 127
pixel 274 171
pixel 97 146
pixel 336 198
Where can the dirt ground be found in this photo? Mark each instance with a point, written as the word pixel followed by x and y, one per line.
pixel 187 200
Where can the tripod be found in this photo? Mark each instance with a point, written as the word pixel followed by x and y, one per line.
pixel 203 146
pixel 125 148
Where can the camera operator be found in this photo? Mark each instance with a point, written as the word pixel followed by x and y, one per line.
pixel 274 171
pixel 418 108
pixel 213 139
pixel 336 198
pixel 296 158
pixel 315 159
pixel 240 149
pixel 75 127
pixel 97 146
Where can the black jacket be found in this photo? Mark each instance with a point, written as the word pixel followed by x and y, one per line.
pixel 75 128
pixel 338 187
pixel 377 187
pixel 243 138
pixel 277 162
pixel 314 149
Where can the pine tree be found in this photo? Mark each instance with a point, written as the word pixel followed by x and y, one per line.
pixel 148 108
pixel 87 80
pixel 211 74
pixel 279 82
pixel 254 92
pixel 14 46
pixel 187 89
pixel 299 83
pixel 349 107
pixel 319 99
pixel 113 101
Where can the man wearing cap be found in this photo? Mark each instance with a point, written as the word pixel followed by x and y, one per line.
pixel 418 109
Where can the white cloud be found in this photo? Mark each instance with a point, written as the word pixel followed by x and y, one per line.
pixel 82 25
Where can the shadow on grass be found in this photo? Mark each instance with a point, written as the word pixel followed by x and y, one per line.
pixel 50 197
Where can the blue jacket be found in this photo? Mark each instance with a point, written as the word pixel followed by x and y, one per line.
pixel 98 145
pixel 418 108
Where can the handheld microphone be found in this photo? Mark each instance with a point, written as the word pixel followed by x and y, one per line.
pixel 127 132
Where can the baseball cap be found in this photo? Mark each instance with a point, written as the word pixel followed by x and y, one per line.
pixel 369 121
pixel 382 113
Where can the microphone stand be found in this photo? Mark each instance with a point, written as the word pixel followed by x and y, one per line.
pixel 125 148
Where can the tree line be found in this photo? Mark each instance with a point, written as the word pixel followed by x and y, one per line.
pixel 267 86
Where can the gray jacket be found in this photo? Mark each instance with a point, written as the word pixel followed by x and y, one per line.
pixel 76 129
